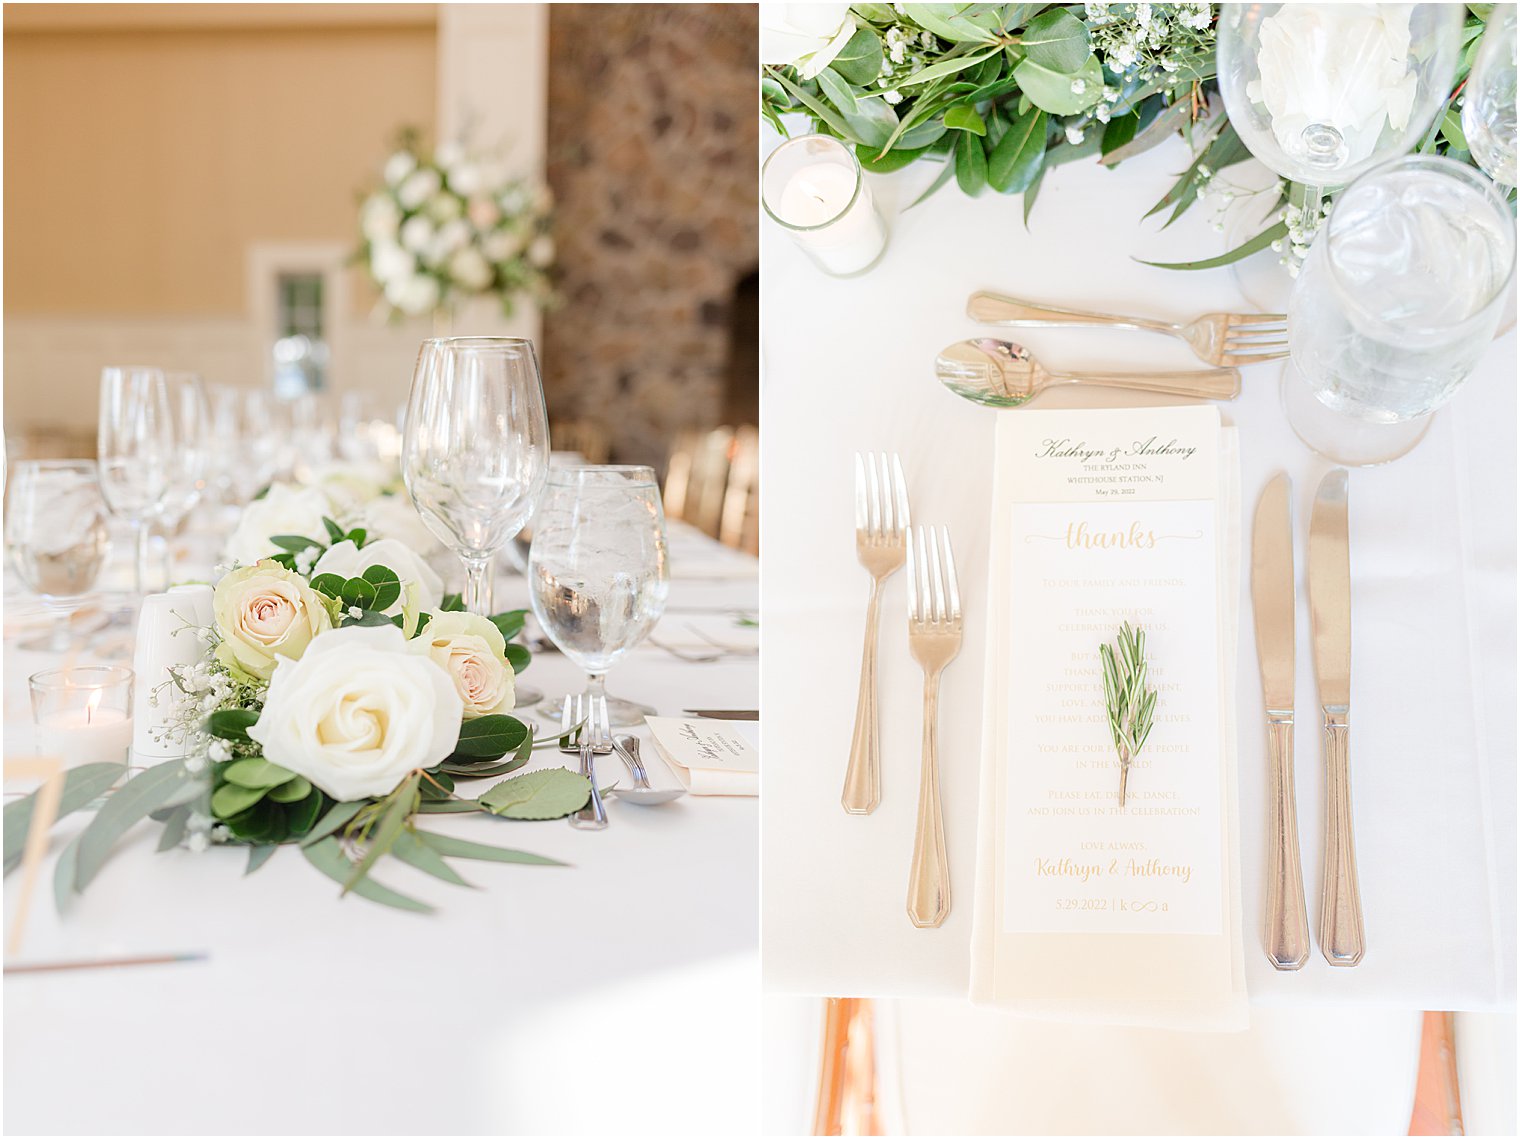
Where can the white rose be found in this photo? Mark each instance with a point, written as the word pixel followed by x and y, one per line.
pixel 417 577
pixel 466 179
pixel 455 235
pixel 358 712
pixel 483 213
pixel 398 166
pixel 389 262
pixel 514 199
pixel 1306 50
pixel 264 612
pixel 416 232
pixel 379 218
pixel 449 154
pixel 474 654
pixel 470 269
pixel 444 207
pixel 394 516
pixel 286 509
pixel 807 36
pixel 419 187
pixel 541 252
pixel 350 484
pixel 414 295
pixel 504 245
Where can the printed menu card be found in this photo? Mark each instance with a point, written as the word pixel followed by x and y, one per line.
pixel 1107 886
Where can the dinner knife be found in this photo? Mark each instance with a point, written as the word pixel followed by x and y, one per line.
pixel 724 713
pixel 1340 918
pixel 1272 602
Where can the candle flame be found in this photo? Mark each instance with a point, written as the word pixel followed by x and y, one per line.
pixel 91 704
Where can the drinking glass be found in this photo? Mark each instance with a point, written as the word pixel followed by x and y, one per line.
pixel 56 527
pixel 138 447
pixel 475 449
pixel 1488 107
pixel 1395 306
pixel 599 572
pixel 1321 93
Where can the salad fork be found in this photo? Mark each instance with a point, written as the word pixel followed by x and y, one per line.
pixel 1224 339
pixel 881 529
pixel 934 639
pixel 593 816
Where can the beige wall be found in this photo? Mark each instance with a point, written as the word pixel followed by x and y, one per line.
pixel 141 162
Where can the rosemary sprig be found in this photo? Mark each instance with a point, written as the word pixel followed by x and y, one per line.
pixel 1130 703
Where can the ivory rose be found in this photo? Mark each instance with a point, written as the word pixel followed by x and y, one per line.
pixel 421 588
pixel 286 509
pixel 474 654
pixel 264 612
pixel 358 712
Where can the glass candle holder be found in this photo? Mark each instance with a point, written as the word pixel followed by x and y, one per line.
pixel 83 714
pixel 814 188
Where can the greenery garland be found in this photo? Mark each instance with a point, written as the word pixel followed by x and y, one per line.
pixel 999 94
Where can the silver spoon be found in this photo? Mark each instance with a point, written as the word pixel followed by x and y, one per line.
pixel 1000 373
pixel 641 794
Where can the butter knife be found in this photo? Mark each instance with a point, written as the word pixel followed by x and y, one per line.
pixel 1272 602
pixel 1340 919
pixel 723 713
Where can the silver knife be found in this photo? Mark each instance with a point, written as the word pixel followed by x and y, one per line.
pixel 1272 602
pixel 1340 917
pixel 723 713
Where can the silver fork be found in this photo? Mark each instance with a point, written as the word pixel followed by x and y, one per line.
pixel 881 527
pixel 593 816
pixel 1225 339
pixel 934 638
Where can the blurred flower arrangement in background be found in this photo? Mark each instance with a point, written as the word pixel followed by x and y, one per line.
pixel 452 226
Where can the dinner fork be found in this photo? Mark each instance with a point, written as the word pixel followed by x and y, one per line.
pixel 881 528
pixel 934 639
pixel 593 816
pixel 1225 339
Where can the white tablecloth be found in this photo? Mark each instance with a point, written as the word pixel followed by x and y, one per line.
pixel 612 995
pixel 848 365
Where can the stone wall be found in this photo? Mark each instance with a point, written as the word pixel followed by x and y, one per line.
pixel 653 137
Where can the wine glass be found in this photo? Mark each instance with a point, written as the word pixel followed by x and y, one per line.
pixel 475 449
pixel 1488 107
pixel 56 527
pixel 1321 93
pixel 1395 306
pixel 137 445
pixel 192 414
pixel 599 571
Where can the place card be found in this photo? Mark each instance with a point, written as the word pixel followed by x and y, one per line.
pixel 1085 907
pixel 710 757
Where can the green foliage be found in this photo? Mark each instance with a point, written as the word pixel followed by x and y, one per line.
pixel 550 793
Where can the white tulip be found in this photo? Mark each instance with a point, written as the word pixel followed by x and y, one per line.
pixel 807 36
pixel 358 712
pixel 417 577
pixel 419 187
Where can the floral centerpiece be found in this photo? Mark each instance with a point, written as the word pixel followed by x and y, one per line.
pixel 340 697
pixel 453 225
pixel 1001 94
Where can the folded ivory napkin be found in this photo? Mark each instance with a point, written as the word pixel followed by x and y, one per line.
pixel 1085 911
pixel 710 757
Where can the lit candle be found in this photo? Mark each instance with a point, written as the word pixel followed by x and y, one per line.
pixel 814 187
pixel 83 715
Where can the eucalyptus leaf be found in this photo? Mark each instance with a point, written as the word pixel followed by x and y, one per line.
pixel 335 818
pixel 947 22
pixel 257 856
pixel 1153 134
pixel 81 786
pixel 922 136
pixel 327 856
pixel 296 543
pixel 414 852
pixel 838 91
pixel 1057 40
pixel 1016 159
pixel 462 848
pixel 334 531
pixel 947 170
pixel 392 822
pixel 551 793
pixel 1262 240
pixel 892 160
pixel 66 874
pixel 1056 91
pixel 822 110
pixel 1119 132
pixel 872 121
pixel 174 829
pixel 952 66
pixel 449 807
pixel 357 591
pixel 1032 193
pixel 860 61
pixel 330 584
pixel 127 807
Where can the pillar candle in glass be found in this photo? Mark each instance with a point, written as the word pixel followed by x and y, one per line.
pixel 813 186
pixel 84 714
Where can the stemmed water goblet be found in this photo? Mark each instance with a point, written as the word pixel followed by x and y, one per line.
pixel 139 444
pixel 56 528
pixel 1488 100
pixel 475 448
pixel 1395 306
pixel 599 571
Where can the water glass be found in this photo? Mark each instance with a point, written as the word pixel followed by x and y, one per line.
pixel 1488 101
pixel 599 570
pixel 475 449
pixel 56 527
pixel 1395 306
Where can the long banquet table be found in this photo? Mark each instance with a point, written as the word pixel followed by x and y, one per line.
pixel 612 995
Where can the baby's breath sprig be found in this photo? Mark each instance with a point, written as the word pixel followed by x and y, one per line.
pixel 1130 703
